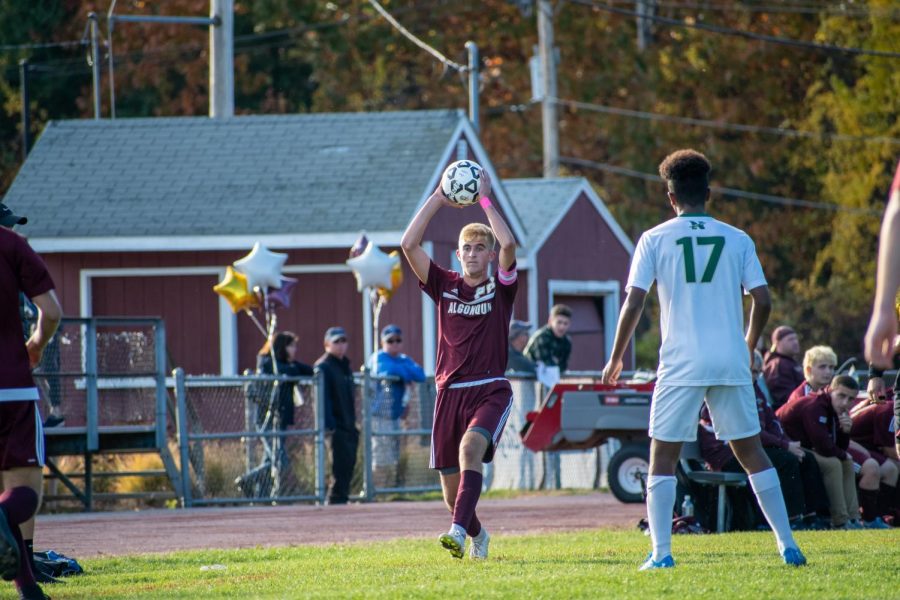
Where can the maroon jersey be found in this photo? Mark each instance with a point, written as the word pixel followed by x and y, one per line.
pixel 21 270
pixel 811 420
pixel 873 426
pixel 473 325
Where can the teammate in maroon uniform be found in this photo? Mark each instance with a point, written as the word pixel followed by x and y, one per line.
pixel 474 398
pixel 21 434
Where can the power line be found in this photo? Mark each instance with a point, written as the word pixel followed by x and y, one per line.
pixel 725 191
pixel 792 9
pixel 737 32
pixel 435 53
pixel 724 125
pixel 41 46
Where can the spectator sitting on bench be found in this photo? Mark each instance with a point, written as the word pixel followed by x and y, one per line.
pixel 801 479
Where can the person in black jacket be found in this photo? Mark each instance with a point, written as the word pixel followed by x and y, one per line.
pixel 284 348
pixel 340 412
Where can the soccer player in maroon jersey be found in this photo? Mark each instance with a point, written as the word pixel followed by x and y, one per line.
pixel 474 398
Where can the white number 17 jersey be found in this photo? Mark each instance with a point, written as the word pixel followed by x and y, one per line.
pixel 700 266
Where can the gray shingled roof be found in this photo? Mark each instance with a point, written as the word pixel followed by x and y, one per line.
pixel 539 202
pixel 195 176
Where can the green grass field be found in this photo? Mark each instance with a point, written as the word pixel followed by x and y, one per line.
pixel 589 564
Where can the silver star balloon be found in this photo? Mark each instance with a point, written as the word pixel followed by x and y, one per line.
pixel 372 268
pixel 262 267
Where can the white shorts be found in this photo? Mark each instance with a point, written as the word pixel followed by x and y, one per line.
pixel 675 412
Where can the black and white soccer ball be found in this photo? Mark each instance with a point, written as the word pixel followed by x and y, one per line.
pixel 461 182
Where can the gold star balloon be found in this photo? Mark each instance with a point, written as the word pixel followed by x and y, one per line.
pixel 396 278
pixel 234 290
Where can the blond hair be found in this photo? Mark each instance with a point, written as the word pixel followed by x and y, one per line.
pixel 477 231
pixel 819 354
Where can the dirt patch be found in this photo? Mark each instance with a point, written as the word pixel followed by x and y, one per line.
pixel 86 535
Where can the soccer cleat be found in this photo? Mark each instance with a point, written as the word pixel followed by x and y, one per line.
pixel 455 542
pixel 479 548
pixel 667 562
pixel 793 557
pixel 32 592
pixel 876 523
pixel 9 550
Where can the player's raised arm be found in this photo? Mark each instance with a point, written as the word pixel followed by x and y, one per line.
pixel 411 243
pixel 501 230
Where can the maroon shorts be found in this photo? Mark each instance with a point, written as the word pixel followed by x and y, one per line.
pixel 484 407
pixel 21 435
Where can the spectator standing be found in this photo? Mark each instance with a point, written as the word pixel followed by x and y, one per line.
pixel 21 433
pixel 391 397
pixel 340 412
pixel 550 346
pixel 700 265
pixel 782 371
pixel 518 339
pixel 284 349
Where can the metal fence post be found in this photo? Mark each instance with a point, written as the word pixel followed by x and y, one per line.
pixel 90 384
pixel 161 394
pixel 368 475
pixel 181 418
pixel 321 490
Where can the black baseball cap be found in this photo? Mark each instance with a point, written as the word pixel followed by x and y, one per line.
pixel 335 333
pixel 8 218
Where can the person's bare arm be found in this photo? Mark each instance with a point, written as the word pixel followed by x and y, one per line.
pixel 49 315
pixel 501 230
pixel 411 243
pixel 879 344
pixel 759 316
pixel 628 320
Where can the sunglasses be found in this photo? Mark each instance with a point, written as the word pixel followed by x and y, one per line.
pixel 394 340
pixel 339 341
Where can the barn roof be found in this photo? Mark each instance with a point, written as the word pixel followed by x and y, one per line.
pixel 162 178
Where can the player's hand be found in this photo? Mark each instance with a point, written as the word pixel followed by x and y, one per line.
pixel 438 195
pixel 485 183
pixel 795 449
pixel 879 344
pixel 35 351
pixel 875 390
pixel 845 422
pixel 611 372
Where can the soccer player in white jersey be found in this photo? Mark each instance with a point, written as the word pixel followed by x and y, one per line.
pixel 700 265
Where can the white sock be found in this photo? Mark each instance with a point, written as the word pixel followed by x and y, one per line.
pixel 481 535
pixel 767 488
pixel 660 504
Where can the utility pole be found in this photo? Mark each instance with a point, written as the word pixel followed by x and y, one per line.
pixel 26 107
pixel 644 9
pixel 221 59
pixel 474 83
pixel 95 62
pixel 549 118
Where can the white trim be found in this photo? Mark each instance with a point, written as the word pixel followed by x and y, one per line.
pixel 533 298
pixel 468 384
pixel 601 209
pixel 322 268
pixel 19 394
pixel 340 239
pixel 429 325
pixel 609 290
pixel 368 324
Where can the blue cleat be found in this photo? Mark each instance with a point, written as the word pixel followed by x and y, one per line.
pixel 667 562
pixel 793 557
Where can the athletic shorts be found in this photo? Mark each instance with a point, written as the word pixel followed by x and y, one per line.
pixel 675 412
pixel 21 435
pixel 483 406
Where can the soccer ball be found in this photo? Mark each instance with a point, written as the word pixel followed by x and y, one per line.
pixel 461 182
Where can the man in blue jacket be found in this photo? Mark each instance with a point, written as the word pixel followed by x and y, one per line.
pixel 391 398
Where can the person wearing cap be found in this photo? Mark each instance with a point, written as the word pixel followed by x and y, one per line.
pixel 782 372
pixel 340 412
pixel 21 435
pixel 391 397
pixel 518 337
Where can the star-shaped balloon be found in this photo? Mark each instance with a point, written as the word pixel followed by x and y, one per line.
pixel 359 245
pixel 396 278
pixel 373 268
pixel 282 296
pixel 262 267
pixel 235 291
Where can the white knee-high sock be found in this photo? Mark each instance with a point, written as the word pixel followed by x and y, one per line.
pixel 767 488
pixel 660 504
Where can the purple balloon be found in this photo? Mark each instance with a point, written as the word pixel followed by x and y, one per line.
pixel 282 296
pixel 359 246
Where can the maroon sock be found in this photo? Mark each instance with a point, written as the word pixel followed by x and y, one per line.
pixel 886 499
pixel 474 527
pixel 466 498
pixel 19 504
pixel 868 503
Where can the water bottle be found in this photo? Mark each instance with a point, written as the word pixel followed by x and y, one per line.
pixel 687 507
